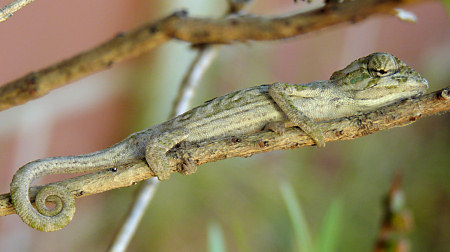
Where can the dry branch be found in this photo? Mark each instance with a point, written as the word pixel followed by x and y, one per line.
pixel 194 30
pixel 395 115
pixel 8 10
pixel 144 194
pixel 397 220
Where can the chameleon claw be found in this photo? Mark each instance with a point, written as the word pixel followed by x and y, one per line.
pixel 188 167
pixel 277 127
pixel 318 138
pixel 162 172
pixel 163 176
pixel 319 142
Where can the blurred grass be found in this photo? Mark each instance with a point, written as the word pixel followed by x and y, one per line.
pixel 328 234
pixel 243 197
pixel 331 226
pixel 326 240
pixel 216 241
pixel 302 234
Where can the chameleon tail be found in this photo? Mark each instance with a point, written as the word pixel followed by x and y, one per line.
pixel 43 219
pixel 52 219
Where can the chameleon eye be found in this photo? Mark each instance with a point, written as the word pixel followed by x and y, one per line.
pixel 382 65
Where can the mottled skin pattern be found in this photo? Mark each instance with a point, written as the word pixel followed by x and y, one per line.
pixel 366 84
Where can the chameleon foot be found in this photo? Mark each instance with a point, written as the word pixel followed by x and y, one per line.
pixel 156 150
pixel 277 127
pixel 188 167
pixel 314 133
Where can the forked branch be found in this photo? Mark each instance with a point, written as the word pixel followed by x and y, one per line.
pixel 194 30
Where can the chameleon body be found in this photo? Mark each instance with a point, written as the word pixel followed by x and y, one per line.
pixel 366 84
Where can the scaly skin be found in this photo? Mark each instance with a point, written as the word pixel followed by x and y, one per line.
pixel 366 84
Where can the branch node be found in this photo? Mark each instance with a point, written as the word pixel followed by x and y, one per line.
pixel 444 95
pixel 181 13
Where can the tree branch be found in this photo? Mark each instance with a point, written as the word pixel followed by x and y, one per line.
pixel 193 30
pixel 347 128
pixel 145 192
pixel 8 10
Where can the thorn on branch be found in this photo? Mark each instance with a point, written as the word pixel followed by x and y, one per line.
pixel 444 95
pixel 153 29
pixel 120 34
pixel 31 82
pixel 181 13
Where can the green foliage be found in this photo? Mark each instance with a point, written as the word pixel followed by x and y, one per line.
pixel 328 235
pixel 329 232
pixel 300 226
pixel 447 5
pixel 216 241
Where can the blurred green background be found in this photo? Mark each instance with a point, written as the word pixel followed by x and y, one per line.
pixel 239 200
pixel 243 197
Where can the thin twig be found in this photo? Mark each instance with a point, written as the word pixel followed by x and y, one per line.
pixel 128 227
pixel 194 30
pixel 145 191
pixel 9 9
pixel 144 194
pixel 191 80
pixel 212 150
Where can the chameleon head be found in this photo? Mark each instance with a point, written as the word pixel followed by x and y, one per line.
pixel 379 78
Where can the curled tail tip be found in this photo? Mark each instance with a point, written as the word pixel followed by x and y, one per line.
pixel 44 218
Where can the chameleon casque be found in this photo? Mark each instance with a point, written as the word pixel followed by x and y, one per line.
pixel 368 83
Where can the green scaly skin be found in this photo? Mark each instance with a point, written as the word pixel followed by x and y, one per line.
pixel 368 83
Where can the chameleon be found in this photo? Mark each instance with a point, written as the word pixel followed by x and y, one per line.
pixel 366 84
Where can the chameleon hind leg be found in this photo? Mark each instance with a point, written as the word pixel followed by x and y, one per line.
pixel 280 93
pixel 157 147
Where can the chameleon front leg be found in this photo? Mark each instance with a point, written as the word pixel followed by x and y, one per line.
pixel 280 93
pixel 157 147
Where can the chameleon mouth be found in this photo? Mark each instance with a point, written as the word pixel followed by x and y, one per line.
pixel 412 83
pixel 391 90
pixel 419 84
